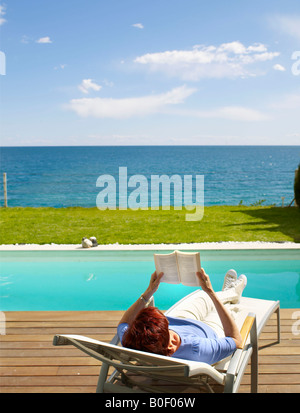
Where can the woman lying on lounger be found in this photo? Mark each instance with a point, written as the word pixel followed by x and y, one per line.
pixel 195 331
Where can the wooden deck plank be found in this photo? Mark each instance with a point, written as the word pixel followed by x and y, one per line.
pixel 30 363
pixel 49 361
pixel 45 337
pixel 62 315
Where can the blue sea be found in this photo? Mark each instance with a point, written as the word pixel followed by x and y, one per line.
pixel 67 176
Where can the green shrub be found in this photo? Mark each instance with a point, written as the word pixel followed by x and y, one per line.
pixel 297 186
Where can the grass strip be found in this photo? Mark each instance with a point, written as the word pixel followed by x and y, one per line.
pixel 219 223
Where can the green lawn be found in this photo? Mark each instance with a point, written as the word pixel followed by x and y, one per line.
pixel 220 223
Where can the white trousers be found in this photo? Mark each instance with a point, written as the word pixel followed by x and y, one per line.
pixel 199 306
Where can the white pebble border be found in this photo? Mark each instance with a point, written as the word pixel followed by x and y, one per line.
pixel 128 247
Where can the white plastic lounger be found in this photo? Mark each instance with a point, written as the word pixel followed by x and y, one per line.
pixel 138 371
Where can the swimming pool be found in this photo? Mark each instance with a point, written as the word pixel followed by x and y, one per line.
pixel 111 280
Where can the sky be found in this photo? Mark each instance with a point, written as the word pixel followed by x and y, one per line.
pixel 159 72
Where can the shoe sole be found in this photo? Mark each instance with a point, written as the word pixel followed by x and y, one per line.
pixel 232 273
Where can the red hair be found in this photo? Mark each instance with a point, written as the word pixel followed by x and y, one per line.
pixel 149 331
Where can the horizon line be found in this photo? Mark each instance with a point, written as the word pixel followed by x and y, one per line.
pixel 141 145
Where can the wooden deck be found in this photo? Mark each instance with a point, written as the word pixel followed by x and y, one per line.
pixel 30 363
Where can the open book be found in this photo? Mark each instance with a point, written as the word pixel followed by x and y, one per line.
pixel 178 267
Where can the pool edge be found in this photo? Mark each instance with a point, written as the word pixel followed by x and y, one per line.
pixel 127 247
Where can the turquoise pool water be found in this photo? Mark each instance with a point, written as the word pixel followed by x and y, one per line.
pixel 101 280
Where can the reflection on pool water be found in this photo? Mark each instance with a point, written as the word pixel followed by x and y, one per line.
pixel 113 280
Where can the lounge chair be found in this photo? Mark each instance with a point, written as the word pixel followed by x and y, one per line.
pixel 137 371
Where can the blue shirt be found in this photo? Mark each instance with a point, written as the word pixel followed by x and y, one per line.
pixel 199 342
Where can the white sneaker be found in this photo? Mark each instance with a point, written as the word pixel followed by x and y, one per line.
pixel 229 279
pixel 239 286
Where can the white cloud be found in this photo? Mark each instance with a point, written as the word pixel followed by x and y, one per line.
pixel 235 113
pixel 108 83
pixel 138 25
pixel 147 105
pixel 25 39
pixel 88 84
pixel 2 13
pixel 238 113
pixel 289 25
pixel 61 66
pixel 293 135
pixel 45 39
pixel 289 102
pixel 279 67
pixel 226 60
pixel 128 107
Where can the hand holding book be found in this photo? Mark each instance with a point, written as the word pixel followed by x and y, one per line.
pixel 178 267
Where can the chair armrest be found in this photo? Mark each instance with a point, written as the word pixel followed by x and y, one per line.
pixel 246 328
pixel 239 360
